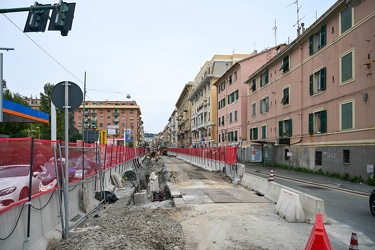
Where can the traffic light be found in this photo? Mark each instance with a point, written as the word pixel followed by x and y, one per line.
pixel 103 137
pixel 37 20
pixel 62 18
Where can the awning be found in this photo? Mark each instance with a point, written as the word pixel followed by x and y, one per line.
pixel 14 112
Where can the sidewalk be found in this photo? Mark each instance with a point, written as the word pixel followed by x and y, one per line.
pixel 252 168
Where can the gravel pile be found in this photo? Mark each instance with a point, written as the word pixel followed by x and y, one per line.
pixel 121 226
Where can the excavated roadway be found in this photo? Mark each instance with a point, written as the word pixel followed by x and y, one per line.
pixel 216 214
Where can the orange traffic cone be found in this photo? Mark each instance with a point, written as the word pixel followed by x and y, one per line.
pixel 271 176
pixel 353 242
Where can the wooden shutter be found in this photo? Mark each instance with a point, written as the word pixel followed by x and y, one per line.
pixel 311 45
pixel 311 84
pixel 290 127
pixel 323 78
pixel 266 77
pixel 323 37
pixel 323 121
pixel 311 123
pixel 281 129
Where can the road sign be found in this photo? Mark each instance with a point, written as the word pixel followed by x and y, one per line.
pixel 75 95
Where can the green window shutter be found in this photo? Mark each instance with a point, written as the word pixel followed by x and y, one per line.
pixel 323 121
pixel 261 80
pixel 323 78
pixel 311 123
pixel 237 94
pixel 311 45
pixel 263 132
pixel 219 121
pixel 281 129
pixel 346 67
pixel 323 37
pixel 260 107
pixel 254 87
pixel 346 19
pixel 255 133
pixel 251 134
pixel 311 84
pixel 290 127
pixel 347 116
pixel 267 107
pixel 266 77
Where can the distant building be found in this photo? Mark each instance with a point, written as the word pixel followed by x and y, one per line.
pixel 116 117
pixel 203 99
pixel 183 116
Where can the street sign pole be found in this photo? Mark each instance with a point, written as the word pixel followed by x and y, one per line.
pixel 66 184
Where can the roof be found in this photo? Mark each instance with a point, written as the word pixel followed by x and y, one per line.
pixel 14 112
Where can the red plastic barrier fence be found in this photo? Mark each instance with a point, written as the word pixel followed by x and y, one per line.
pixel 224 154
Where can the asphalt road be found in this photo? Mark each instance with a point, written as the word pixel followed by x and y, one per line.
pixel 345 203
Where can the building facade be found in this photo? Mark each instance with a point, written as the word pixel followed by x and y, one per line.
pixel 318 95
pixel 204 99
pixel 120 119
pixel 183 116
pixel 232 97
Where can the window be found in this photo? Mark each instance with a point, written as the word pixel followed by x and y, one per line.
pixel 122 111
pixel 79 124
pixel 219 121
pixel 285 65
pixel 285 128
pixel 254 134
pixel 346 113
pixel 235 76
pixel 236 95
pixel 263 78
pixel 101 111
pixel 100 117
pixel 230 79
pixel 346 66
pixel 254 108
pixel 108 111
pixel 122 124
pixel 264 132
pixel 235 136
pixel 285 100
pixel 318 122
pixel 131 118
pixel 346 19
pixel 108 117
pixel 222 120
pixel 254 85
pixel 223 137
pixel 346 156
pixel 235 115
pixel 219 138
pixel 318 40
pixel 318 81
pixel 101 125
pixel 131 111
pixel 230 118
pixel 318 158
pixel 263 105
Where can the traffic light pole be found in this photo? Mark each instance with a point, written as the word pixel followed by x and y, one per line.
pixel 31 8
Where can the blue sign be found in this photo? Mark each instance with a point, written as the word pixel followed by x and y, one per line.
pixel 127 136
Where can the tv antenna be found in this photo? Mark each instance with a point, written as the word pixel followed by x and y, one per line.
pixel 275 28
pixel 298 19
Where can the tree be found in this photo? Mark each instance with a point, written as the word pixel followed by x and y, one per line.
pixel 14 129
pixel 45 106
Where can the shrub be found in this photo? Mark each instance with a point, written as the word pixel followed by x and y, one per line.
pixel 370 181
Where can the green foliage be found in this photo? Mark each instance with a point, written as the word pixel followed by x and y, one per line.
pixel 357 179
pixel 345 177
pixel 370 181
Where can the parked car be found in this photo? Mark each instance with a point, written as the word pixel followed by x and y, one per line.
pixel 372 202
pixel 14 183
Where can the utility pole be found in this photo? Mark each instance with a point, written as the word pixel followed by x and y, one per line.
pixel 275 28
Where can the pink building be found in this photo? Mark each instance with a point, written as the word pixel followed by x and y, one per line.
pixel 232 97
pixel 319 94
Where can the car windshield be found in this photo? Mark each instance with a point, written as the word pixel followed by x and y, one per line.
pixel 14 171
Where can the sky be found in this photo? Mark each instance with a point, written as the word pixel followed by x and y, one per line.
pixel 148 49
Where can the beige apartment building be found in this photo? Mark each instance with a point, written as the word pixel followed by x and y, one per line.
pixel 232 97
pixel 115 117
pixel 204 99
pixel 319 95
pixel 183 114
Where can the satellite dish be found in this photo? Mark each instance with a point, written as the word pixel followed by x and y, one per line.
pixel 353 3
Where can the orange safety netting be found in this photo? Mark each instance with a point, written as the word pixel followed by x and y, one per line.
pixel 224 154
pixel 20 157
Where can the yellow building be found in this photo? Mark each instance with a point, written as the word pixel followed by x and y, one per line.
pixel 204 99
